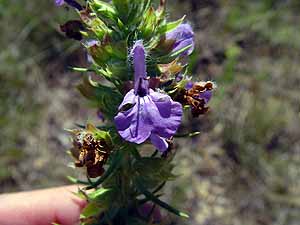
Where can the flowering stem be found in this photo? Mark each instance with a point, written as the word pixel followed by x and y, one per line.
pixel 131 39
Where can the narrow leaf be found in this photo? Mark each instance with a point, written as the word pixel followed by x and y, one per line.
pixel 174 54
pixel 170 26
pixel 91 209
pixel 98 193
pixel 76 181
pixel 79 69
pixel 162 204
pixel 193 134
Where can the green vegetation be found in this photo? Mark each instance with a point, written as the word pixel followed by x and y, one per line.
pixel 30 48
pixel 248 166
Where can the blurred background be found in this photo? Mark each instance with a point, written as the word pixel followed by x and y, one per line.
pixel 244 167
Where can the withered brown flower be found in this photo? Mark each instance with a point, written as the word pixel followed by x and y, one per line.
pixel 90 151
pixel 196 96
pixel 73 29
pixel 170 69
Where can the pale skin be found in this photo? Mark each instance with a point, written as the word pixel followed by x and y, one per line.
pixel 41 207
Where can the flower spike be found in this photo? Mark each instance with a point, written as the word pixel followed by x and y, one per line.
pixel 139 100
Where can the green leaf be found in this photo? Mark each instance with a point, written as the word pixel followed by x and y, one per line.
pixel 76 181
pixel 137 11
pixel 92 209
pixel 104 9
pixel 95 24
pixel 193 134
pixel 175 54
pixel 98 193
pixel 170 26
pixel 162 204
pixel 106 73
pixel 147 27
pixel 100 134
pixel 104 200
pixel 154 171
pixel 80 69
pixel 122 7
pixel 117 50
pixel 99 71
pixel 159 187
pixel 161 11
pixel 106 98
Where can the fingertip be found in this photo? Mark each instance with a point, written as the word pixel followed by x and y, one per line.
pixel 43 207
pixel 68 212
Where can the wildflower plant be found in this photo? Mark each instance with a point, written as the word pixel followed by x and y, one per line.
pixel 143 59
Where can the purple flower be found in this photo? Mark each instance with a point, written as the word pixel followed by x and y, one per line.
pixel 147 209
pixel 90 44
pixel 145 114
pixel 189 85
pixel 182 37
pixel 59 2
pixel 179 77
pixel 206 96
pixel 72 3
pixel 100 115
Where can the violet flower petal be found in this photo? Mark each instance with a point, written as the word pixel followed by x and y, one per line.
pixel 179 77
pixel 146 209
pixel 100 115
pixel 170 114
pixel 134 124
pixel 92 42
pixel 158 142
pixel 181 32
pixel 189 85
pixel 184 43
pixel 155 114
pixel 72 3
pixel 182 36
pixel 206 96
pixel 141 85
pixel 59 2
pixel 89 44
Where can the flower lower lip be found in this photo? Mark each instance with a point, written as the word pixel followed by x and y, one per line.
pixel 155 116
